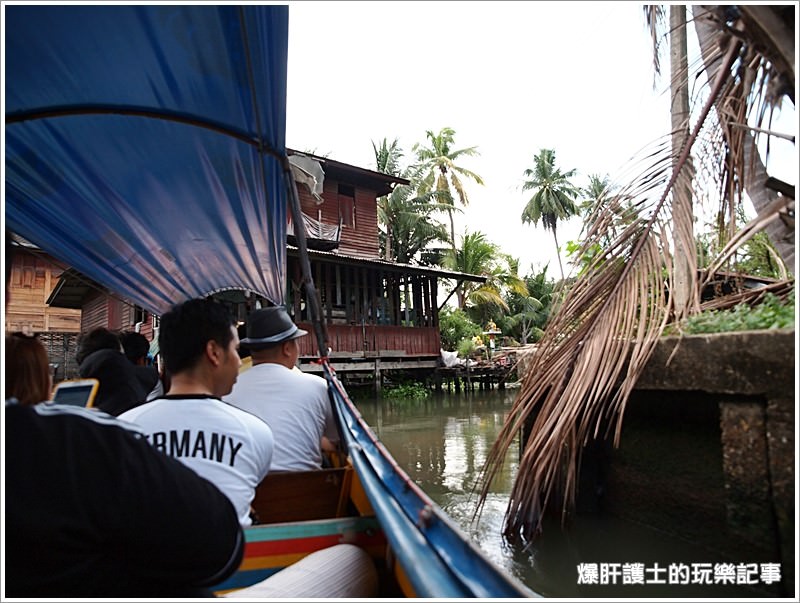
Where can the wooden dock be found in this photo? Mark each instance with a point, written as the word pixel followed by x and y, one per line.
pixel 374 366
pixel 471 378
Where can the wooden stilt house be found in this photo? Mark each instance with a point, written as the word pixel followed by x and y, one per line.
pixel 378 314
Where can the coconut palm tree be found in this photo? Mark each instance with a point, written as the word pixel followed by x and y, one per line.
pixel 525 313
pixel 602 334
pixel 387 157
pixel 408 225
pixel 439 171
pixel 476 255
pixel 595 195
pixel 554 195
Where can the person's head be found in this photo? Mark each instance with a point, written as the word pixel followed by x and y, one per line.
pixel 28 376
pixel 272 336
pixel 135 345
pixel 97 339
pixel 200 335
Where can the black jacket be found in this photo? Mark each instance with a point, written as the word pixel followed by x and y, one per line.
pixel 121 387
pixel 93 510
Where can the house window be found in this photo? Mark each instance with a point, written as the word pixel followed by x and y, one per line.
pixel 139 315
pixel 347 205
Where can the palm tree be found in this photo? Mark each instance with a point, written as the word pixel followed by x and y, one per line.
pixel 439 171
pixel 554 195
pixel 600 199
pixel 525 312
pixel 387 157
pixel 408 224
pixel 476 255
pixel 529 312
pixel 407 221
pixel 595 195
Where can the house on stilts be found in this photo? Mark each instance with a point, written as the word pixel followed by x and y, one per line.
pixel 380 316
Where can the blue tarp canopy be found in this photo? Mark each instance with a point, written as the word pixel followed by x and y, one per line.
pixel 145 145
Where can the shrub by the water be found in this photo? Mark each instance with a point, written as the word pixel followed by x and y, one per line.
pixel 407 391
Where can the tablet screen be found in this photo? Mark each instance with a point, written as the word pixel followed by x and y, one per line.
pixel 76 395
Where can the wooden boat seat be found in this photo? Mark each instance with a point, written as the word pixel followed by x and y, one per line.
pixel 303 495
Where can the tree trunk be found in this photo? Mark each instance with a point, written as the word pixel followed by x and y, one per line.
pixel 780 232
pixel 387 253
pixel 558 254
pixel 452 231
pixel 684 258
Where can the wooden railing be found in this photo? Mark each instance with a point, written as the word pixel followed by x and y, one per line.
pixel 373 339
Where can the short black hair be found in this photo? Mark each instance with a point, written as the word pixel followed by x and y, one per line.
pixel 188 327
pixel 96 339
pixel 135 345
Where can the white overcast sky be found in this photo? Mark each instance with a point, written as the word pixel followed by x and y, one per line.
pixel 509 77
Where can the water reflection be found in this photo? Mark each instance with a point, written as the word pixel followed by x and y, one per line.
pixel 442 443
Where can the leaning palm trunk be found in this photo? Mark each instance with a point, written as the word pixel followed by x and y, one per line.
pixel 596 345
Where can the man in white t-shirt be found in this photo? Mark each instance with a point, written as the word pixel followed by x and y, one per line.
pixel 227 446
pixel 294 404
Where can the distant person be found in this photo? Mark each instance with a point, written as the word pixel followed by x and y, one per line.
pixel 28 377
pixel 100 357
pixel 93 511
pixel 294 404
pixel 136 348
pixel 94 340
pixel 231 448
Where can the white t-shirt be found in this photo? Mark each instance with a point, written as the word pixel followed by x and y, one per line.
pixel 229 447
pixel 297 408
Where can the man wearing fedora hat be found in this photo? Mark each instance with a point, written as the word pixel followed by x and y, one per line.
pixel 294 404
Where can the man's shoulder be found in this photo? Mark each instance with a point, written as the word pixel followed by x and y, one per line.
pixel 253 421
pixel 147 407
pixel 312 380
pixel 92 416
pixel 51 419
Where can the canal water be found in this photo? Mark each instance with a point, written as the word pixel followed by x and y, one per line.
pixel 442 443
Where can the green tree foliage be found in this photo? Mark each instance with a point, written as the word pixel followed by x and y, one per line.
pixel 455 326
pixel 439 171
pixel 594 195
pixel 599 200
pixel 554 196
pixel 528 313
pixel 476 255
pixel 756 257
pixel 387 157
pixel 407 223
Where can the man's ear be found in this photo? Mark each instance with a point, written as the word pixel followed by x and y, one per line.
pixel 213 352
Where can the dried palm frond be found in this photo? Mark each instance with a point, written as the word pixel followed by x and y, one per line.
pixel 762 76
pixel 603 332
pixel 780 289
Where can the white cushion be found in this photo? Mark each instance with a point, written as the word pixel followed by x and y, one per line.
pixel 340 571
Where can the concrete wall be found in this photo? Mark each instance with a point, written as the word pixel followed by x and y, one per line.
pixel 707 450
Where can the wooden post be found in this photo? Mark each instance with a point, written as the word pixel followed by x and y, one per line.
pixel 378 377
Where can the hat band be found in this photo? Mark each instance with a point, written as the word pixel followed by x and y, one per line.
pixel 274 338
